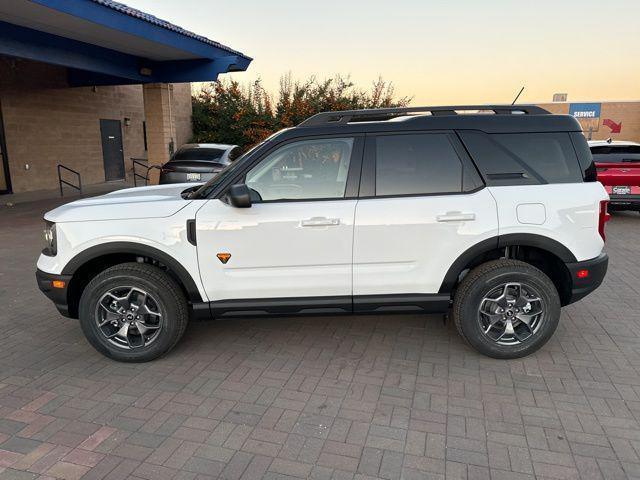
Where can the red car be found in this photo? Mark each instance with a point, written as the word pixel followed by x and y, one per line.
pixel 618 166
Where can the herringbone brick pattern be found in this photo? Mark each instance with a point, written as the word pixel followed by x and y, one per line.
pixel 348 397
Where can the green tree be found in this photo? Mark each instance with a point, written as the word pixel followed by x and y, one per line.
pixel 226 112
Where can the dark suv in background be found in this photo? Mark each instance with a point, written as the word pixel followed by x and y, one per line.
pixel 198 162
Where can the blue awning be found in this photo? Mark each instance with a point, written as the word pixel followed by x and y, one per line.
pixel 103 42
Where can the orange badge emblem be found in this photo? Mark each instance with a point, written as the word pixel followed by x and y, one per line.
pixel 223 257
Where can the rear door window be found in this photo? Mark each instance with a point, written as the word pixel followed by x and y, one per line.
pixel 416 164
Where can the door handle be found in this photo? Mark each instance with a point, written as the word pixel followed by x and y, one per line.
pixel 456 217
pixel 320 222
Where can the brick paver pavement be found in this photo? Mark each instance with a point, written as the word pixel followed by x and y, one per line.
pixel 348 397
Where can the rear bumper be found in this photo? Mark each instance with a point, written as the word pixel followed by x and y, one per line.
pixel 624 201
pixel 57 295
pixel 181 177
pixel 581 287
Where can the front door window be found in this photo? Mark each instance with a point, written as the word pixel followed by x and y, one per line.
pixel 305 170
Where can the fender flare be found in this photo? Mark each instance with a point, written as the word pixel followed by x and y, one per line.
pixel 524 239
pixel 140 250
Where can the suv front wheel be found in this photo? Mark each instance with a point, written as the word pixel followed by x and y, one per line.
pixel 133 312
pixel 506 308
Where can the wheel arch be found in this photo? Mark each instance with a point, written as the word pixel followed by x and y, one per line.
pixel 545 253
pixel 88 263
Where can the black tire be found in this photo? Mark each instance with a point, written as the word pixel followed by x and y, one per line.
pixel 166 294
pixel 489 277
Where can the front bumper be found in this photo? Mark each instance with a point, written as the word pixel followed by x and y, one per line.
pixel 57 295
pixel 624 202
pixel 581 287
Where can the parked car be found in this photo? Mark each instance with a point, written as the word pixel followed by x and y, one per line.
pixel 498 216
pixel 197 162
pixel 618 166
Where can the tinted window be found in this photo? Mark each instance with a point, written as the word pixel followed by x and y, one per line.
pixel 606 149
pixel 584 157
pixel 305 170
pixel 524 158
pixel 234 154
pixel 616 153
pixel 199 154
pixel 616 157
pixel 416 164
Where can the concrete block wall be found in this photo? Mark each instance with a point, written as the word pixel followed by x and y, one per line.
pixel 47 123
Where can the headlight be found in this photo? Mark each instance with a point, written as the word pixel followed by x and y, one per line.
pixel 50 239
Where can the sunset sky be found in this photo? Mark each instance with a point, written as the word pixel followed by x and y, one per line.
pixel 439 52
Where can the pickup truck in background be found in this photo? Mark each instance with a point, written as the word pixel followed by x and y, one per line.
pixel 618 167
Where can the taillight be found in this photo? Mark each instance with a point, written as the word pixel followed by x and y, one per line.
pixel 603 218
pixel 167 169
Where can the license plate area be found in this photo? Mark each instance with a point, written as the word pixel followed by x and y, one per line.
pixel 193 177
pixel 621 190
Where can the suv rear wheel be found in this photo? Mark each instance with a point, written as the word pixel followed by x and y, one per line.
pixel 133 312
pixel 506 308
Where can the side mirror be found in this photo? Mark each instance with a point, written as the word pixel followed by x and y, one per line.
pixel 239 196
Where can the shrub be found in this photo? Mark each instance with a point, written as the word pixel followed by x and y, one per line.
pixel 226 112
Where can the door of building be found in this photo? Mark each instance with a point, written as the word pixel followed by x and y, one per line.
pixel 112 156
pixel 5 179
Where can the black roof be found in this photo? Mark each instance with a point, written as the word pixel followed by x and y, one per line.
pixel 490 119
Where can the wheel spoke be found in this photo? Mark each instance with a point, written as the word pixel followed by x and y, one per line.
pixel 124 301
pixel 110 316
pixel 143 328
pixel 144 310
pixel 121 332
pixel 508 328
pixel 526 317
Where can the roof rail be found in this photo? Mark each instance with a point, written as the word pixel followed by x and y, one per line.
pixel 346 116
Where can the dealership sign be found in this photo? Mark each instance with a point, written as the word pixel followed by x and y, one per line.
pixel 588 114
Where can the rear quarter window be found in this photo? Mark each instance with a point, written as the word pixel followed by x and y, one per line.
pixel 524 158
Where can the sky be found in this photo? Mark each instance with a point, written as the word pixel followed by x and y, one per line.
pixel 437 52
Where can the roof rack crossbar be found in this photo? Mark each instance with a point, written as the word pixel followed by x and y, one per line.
pixel 345 116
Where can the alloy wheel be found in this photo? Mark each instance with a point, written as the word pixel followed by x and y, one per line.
pixel 129 317
pixel 511 313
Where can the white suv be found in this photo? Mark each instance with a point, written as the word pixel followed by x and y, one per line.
pixel 495 213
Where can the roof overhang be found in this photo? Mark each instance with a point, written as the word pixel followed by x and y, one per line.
pixel 106 43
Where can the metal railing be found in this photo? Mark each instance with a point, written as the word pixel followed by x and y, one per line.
pixel 142 162
pixel 61 181
pixel 136 175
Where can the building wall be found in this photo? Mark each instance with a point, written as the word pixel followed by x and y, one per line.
pixel 627 113
pixel 47 123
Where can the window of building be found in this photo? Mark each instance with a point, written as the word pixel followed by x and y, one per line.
pixel 144 134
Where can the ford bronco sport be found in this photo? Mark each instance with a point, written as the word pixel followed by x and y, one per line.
pixel 495 213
